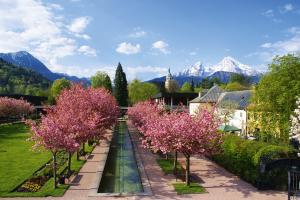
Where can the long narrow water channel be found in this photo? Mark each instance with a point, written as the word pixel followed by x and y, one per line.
pixel 121 174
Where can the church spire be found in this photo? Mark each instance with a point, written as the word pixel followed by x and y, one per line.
pixel 169 75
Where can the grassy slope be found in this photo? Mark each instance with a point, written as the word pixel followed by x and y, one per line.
pixel 18 162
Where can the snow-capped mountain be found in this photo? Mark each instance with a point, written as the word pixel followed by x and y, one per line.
pixel 197 69
pixel 227 64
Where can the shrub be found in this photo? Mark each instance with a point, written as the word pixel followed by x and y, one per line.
pixel 245 157
pixel 10 108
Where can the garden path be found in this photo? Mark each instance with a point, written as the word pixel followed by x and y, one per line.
pixel 220 184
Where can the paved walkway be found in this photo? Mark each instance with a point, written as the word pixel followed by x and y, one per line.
pixel 220 184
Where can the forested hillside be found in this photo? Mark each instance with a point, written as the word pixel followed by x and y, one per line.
pixel 19 80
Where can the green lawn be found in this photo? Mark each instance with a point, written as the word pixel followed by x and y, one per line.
pixel 167 165
pixel 194 188
pixel 18 162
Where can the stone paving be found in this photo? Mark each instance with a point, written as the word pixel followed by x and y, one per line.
pixel 220 184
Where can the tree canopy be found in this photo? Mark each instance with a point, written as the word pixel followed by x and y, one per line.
pixel 59 85
pixel 139 91
pixel 186 87
pixel 277 92
pixel 120 90
pixel 101 79
pixel 239 78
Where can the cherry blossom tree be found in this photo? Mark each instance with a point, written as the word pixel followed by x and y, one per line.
pixel 86 113
pixel 179 132
pixel 196 135
pixel 79 115
pixel 50 134
pixel 142 112
pixel 10 107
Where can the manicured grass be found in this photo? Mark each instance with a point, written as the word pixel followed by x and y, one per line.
pixel 167 165
pixel 194 188
pixel 18 162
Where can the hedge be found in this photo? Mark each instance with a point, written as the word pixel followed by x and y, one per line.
pixel 244 158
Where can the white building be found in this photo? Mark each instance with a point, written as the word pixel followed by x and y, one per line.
pixel 231 107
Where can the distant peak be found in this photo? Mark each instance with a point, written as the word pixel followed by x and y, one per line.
pixel 20 54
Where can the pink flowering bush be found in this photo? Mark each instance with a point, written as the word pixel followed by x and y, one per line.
pixel 10 107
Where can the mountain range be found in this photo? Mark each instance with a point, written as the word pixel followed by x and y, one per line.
pixel 25 59
pixel 222 70
pixel 197 72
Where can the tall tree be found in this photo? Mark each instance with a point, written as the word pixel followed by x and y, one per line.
pixel 58 86
pixel 139 91
pixel 120 90
pixel 193 85
pixel 101 79
pixel 276 94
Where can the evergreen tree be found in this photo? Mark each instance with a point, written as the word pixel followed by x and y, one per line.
pixel 193 85
pixel 121 91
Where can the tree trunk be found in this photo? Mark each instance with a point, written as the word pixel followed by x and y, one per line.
pixel 175 163
pixel 69 163
pixel 77 154
pixel 187 170
pixel 167 156
pixel 83 151
pixel 54 169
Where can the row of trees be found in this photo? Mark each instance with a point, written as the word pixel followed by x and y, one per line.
pixel 80 114
pixel 177 131
pixel 16 108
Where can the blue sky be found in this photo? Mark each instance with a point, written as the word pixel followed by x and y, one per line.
pixel 80 37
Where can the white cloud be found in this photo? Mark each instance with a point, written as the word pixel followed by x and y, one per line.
pixel 55 6
pixel 83 36
pixel 79 24
pixel 161 46
pixel 87 71
pixel 34 26
pixel 128 48
pixel 193 53
pixel 138 33
pixel 268 13
pixel 87 50
pixel 287 7
pixel 266 45
pixel 139 71
pixel 281 47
